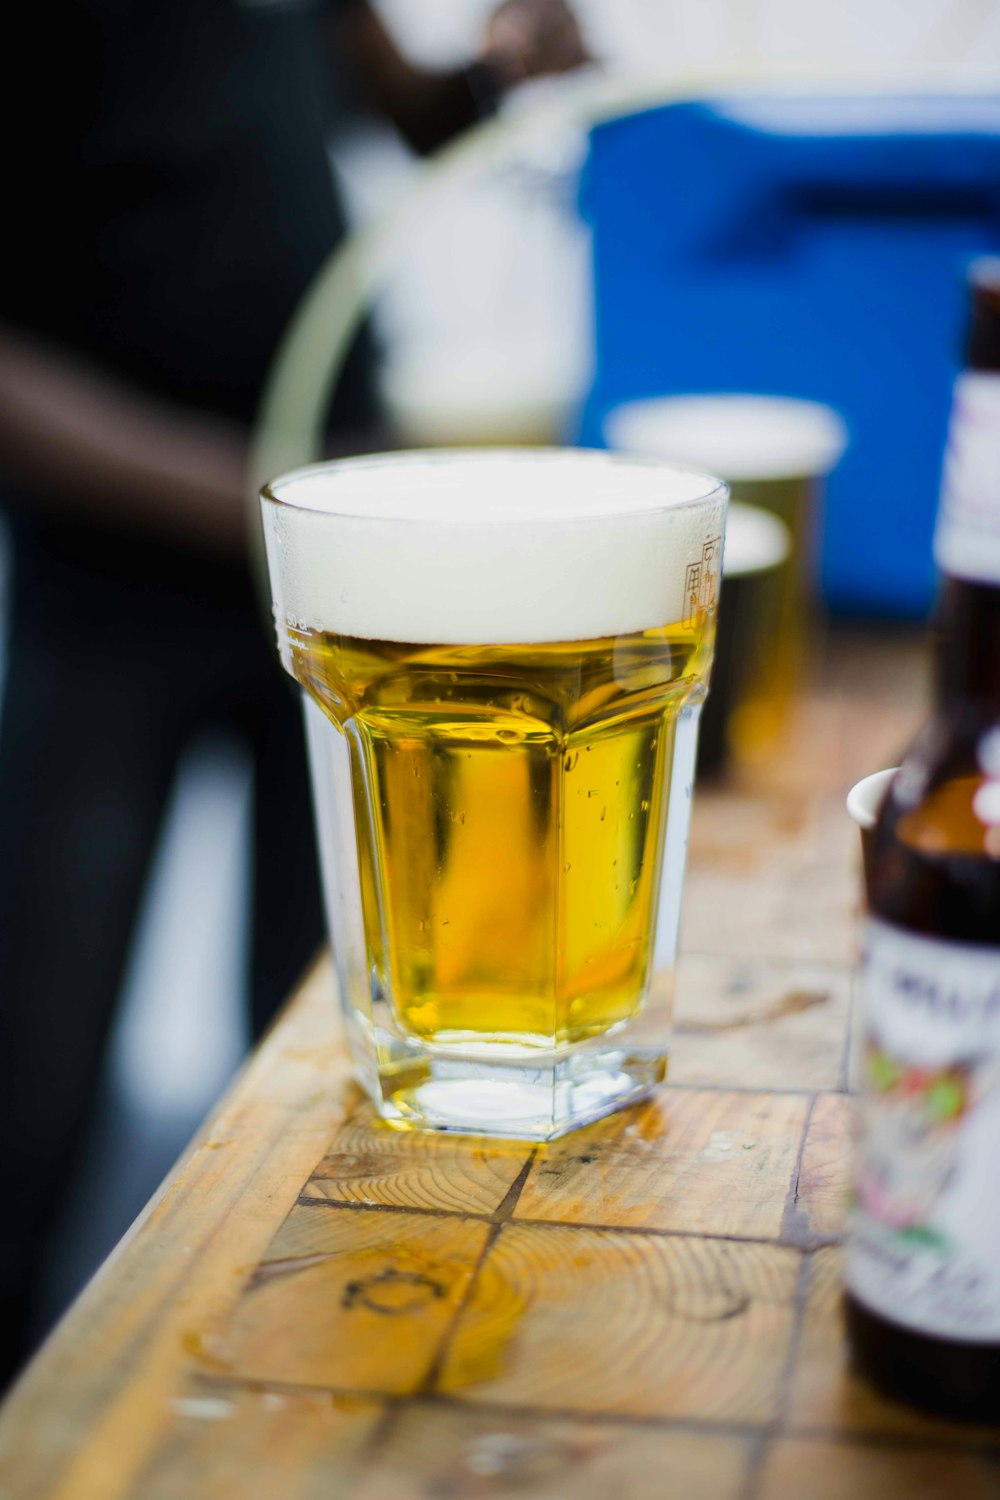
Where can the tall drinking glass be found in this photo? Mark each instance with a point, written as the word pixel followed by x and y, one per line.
pixel 503 655
pixel 774 452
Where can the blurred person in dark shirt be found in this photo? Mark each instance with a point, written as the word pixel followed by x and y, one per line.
pixel 168 200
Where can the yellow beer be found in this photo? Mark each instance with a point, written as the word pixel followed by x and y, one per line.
pixel 515 802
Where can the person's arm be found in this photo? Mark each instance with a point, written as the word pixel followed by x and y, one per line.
pixel 524 39
pixel 82 442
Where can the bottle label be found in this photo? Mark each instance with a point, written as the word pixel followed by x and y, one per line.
pixel 967 540
pixel 924 1247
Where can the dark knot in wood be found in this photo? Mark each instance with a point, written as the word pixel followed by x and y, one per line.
pixel 392 1292
pixel 712 1304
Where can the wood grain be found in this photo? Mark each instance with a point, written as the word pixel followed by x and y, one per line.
pixel 744 1023
pixel 618 1323
pixel 89 1410
pixel 352 1299
pixel 438 1452
pixel 867 694
pixel 825 1174
pixel 878 686
pixel 770 878
pixel 370 1162
pixel 225 1442
pixel 692 1160
pixel 843 1471
pixel 318 1306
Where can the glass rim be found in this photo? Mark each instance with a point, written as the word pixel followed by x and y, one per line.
pixel 750 437
pixel 714 489
pixel 865 797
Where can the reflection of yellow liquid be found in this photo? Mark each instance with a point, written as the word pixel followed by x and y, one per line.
pixel 775 637
pixel 510 804
pixel 945 822
pixel 769 642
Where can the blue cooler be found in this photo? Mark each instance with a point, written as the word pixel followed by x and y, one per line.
pixel 810 248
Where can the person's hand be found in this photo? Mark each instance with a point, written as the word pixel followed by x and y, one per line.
pixel 528 38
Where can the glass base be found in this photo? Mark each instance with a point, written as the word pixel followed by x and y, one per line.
pixel 515 1092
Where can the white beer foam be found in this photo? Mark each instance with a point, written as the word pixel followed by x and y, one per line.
pixel 490 546
pixel 755 540
pixel 736 436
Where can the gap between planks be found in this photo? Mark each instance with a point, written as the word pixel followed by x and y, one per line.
pixel 794 1238
pixel 385 1427
pixel 764 1432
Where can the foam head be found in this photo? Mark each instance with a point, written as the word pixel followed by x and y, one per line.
pixel 490 546
pixel 755 541
pixel 739 437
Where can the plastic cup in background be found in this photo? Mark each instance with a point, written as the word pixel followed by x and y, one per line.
pixel 741 701
pixel 774 452
pixel 864 802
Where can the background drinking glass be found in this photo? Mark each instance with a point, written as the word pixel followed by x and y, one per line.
pixel 773 452
pixel 503 657
pixel 754 568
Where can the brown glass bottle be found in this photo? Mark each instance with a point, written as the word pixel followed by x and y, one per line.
pixel 923 1277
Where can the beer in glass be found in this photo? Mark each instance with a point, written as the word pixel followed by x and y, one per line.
pixel 503 656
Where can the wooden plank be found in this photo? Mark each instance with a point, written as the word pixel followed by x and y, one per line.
pixel 823 1394
pixel 881 691
pixel 439 1452
pixel 863 702
pixel 83 1419
pixel 850 1471
pixel 623 1324
pixel 243 1344
pixel 770 877
pixel 372 1163
pixel 825 1175
pixel 353 1299
pixel 743 1023
pixel 225 1442
pixel 691 1160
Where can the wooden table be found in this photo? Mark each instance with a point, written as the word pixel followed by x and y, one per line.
pixel 316 1307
